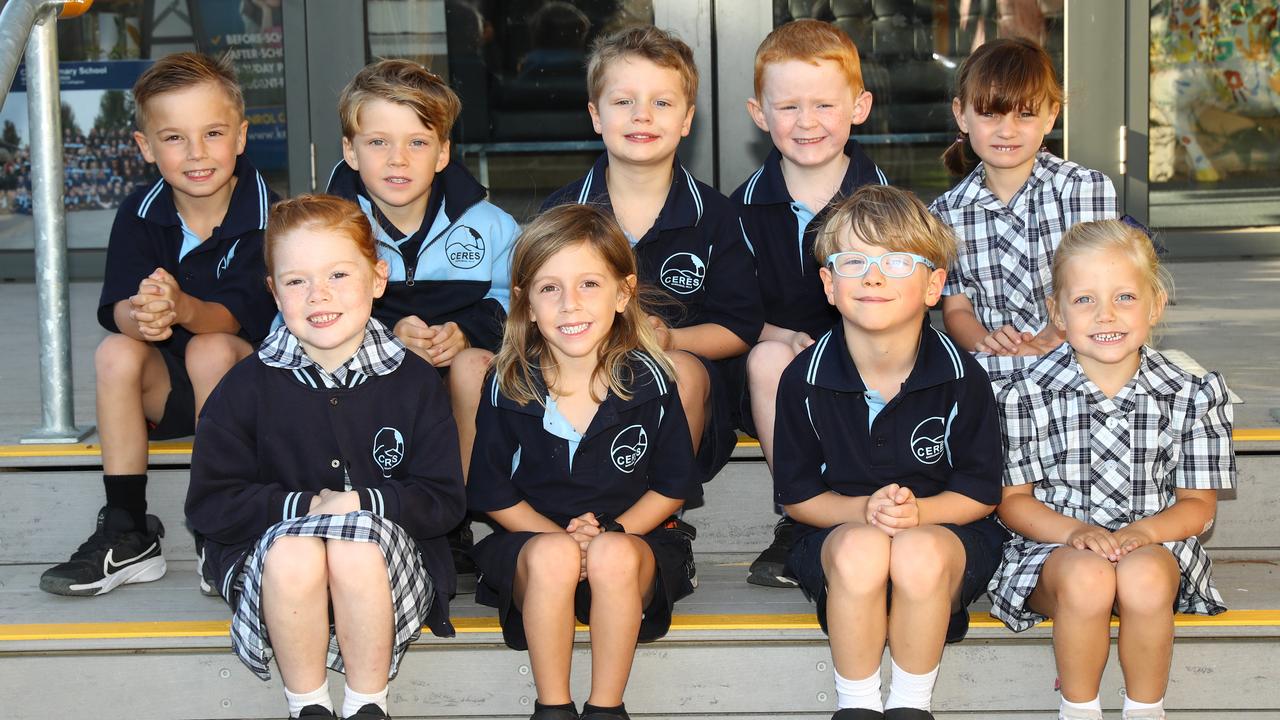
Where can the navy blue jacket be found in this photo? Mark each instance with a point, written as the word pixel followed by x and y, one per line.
pixel 462 269
pixel 227 268
pixel 694 252
pixel 267 444
pixel 940 432
pixel 631 447
pixel 789 283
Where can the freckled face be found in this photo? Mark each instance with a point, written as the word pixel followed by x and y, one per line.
pixel 808 110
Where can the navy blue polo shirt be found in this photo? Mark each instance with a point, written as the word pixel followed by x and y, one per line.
pixel 631 447
pixel 694 252
pixel 227 268
pixel 782 233
pixel 940 432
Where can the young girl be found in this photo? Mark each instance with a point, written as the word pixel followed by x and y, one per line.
pixel 325 474
pixel 1010 212
pixel 582 456
pixel 1115 455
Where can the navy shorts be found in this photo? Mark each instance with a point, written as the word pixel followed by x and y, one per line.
pixel 179 418
pixel 719 438
pixel 981 540
pixel 496 556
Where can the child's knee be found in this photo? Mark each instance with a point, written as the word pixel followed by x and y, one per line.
pixel 552 557
pixel 295 566
pixel 467 371
pixel 211 355
pixel 353 562
pixel 612 558
pixel 119 356
pixel 921 560
pixel 856 557
pixel 1147 580
pixel 691 376
pixel 1086 583
pixel 768 359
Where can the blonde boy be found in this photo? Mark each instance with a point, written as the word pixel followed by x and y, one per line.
pixel 809 94
pixel 183 297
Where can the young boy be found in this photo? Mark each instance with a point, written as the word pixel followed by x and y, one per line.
pixel 447 247
pixel 888 458
pixel 809 94
pixel 183 297
pixel 642 83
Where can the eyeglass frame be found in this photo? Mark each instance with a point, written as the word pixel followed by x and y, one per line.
pixel 915 260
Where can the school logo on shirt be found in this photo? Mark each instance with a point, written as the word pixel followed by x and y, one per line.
pixel 683 273
pixel 464 247
pixel 928 439
pixel 388 449
pixel 628 447
pixel 225 262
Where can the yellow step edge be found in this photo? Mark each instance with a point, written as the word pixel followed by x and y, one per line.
pixel 464 626
pixel 183 447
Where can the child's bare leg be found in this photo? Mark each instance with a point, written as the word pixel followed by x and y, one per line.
pixel 765 364
pixel 132 387
pixel 620 568
pixel 295 605
pixel 695 392
pixel 209 356
pixel 547 574
pixel 926 566
pixel 466 385
pixel 855 559
pixel 362 613
pixel 1146 588
pixel 1077 589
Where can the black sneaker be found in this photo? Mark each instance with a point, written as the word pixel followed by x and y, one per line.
pixel 461 540
pixel 857 714
pixel 545 713
pixel 205 588
pixel 318 712
pixel 370 712
pixel 904 713
pixel 688 533
pixel 770 569
pixel 115 554
pixel 606 716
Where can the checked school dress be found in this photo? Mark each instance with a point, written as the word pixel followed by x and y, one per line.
pixel 1005 252
pixel 1110 462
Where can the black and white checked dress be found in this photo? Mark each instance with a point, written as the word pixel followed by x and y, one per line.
pixel 1005 252
pixel 1110 462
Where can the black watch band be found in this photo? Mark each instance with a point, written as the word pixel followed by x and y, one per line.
pixel 608 524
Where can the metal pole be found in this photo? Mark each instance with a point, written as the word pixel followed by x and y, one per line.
pixel 45 120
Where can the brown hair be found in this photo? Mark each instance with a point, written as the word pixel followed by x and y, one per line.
pixel 180 71
pixel 659 47
pixel 318 212
pixel 1101 235
pixel 999 77
pixel 523 347
pixel 809 41
pixel 891 218
pixel 404 83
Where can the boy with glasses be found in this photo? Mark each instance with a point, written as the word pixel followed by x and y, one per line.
pixel 888 458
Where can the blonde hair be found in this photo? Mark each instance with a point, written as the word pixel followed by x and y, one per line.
pixel 1085 238
pixel 891 218
pixel 809 41
pixel 524 348
pixel 181 71
pixel 1001 76
pixel 404 83
pixel 658 46
pixel 324 212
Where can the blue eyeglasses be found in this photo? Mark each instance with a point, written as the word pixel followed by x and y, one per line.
pixel 893 264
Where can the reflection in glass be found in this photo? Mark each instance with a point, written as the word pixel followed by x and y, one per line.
pixel 910 50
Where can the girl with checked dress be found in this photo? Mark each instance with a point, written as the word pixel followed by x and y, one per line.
pixel 325 475
pixel 1114 459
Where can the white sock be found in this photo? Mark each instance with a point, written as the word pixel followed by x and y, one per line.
pixel 907 690
pixel 864 693
pixel 352 701
pixel 1130 705
pixel 1094 704
pixel 297 701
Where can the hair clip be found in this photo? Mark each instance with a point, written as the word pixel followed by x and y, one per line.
pixel 1134 223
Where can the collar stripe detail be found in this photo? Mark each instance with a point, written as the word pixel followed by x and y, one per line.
pixel 952 351
pixel 880 174
pixel 334 172
pixel 493 391
pixel 263 205
pixel 693 190
pixel 746 239
pixel 654 370
pixel 150 197
pixel 815 360
pixel 751 185
pixel 585 192
pixel 809 411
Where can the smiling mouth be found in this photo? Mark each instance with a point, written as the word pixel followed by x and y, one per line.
pixel 1005 148
pixel 199 174
pixel 808 141
pixel 641 137
pixel 1108 338
pixel 572 330
pixel 397 180
pixel 323 319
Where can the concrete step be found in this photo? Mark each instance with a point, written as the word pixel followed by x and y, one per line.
pixel 48 512
pixel 160 651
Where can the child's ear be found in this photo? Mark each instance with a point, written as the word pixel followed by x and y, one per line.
pixel 242 136
pixel 861 107
pixel 349 154
pixel 144 146
pixel 957 110
pixel 1055 312
pixel 1157 309
pixel 271 285
pixel 443 161
pixel 626 291
pixel 380 273
pixel 595 118
pixel 756 111
pixel 688 122
pixel 1053 117
pixel 828 284
pixel 933 291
